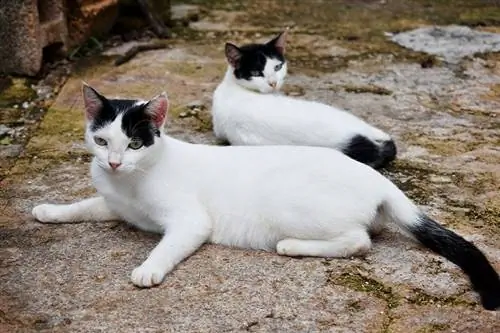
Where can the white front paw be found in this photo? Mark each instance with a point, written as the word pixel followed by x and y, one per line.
pixel 47 213
pixel 148 274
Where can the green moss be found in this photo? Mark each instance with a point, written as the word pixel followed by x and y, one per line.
pixel 200 120
pixel 58 128
pixel 433 328
pixel 354 306
pixel 359 282
pixel 412 178
pixel 480 216
pixel 10 115
pixel 16 91
pixel 371 89
pixel 419 297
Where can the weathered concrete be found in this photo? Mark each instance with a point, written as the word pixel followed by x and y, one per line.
pixel 75 278
pixel 451 42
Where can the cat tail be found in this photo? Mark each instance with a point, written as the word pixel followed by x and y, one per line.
pixel 377 155
pixel 464 254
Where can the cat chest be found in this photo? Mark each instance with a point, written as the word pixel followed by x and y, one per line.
pixel 129 207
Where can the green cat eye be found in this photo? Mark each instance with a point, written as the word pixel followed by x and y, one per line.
pixel 100 141
pixel 135 143
pixel 278 67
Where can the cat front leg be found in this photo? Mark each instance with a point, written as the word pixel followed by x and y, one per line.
pixel 184 235
pixel 92 209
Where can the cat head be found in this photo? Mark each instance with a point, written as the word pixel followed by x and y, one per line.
pixel 122 134
pixel 259 67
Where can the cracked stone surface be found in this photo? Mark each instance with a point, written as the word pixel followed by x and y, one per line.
pixel 451 42
pixel 445 120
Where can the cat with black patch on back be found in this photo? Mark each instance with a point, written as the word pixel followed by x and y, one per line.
pixel 295 200
pixel 248 110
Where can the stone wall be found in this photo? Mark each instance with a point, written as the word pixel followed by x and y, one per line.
pixel 28 26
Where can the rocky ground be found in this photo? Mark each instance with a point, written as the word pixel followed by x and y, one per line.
pixel 443 114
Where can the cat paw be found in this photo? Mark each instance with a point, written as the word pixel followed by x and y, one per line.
pixel 148 275
pixel 286 247
pixel 46 213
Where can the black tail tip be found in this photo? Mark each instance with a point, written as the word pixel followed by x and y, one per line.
pixel 388 151
pixel 483 277
pixel 369 152
pixel 491 299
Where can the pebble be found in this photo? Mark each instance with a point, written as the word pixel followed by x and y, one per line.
pixel 4 130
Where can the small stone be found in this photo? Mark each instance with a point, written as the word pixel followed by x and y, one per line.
pixel 43 92
pixel 183 114
pixel 10 151
pixel 185 13
pixel 440 179
pixel 4 130
pixel 26 105
pixel 195 105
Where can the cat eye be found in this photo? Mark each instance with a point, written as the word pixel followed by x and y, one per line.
pixel 256 73
pixel 135 143
pixel 278 67
pixel 100 141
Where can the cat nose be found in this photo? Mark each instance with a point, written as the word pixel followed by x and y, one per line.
pixel 114 166
pixel 272 84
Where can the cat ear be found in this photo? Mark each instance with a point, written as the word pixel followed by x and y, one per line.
pixel 233 54
pixel 157 109
pixel 93 101
pixel 280 41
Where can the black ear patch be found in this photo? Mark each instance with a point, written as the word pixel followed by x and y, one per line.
pixel 110 109
pixel 253 60
pixel 136 123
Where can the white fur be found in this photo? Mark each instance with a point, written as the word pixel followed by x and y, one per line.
pixel 296 200
pixel 244 117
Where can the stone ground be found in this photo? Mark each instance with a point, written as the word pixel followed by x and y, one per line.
pixel 444 117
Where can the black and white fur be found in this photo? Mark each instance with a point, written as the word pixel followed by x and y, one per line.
pixel 247 110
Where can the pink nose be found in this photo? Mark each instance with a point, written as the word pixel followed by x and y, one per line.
pixel 272 84
pixel 114 166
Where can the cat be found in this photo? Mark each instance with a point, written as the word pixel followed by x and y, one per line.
pixel 248 110
pixel 295 200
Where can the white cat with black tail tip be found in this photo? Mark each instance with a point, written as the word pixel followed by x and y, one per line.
pixel 247 111
pixel 295 200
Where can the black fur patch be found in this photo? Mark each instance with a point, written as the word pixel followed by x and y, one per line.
pixel 388 152
pixel 135 122
pixel 366 151
pixel 253 59
pixel 362 150
pixel 464 254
